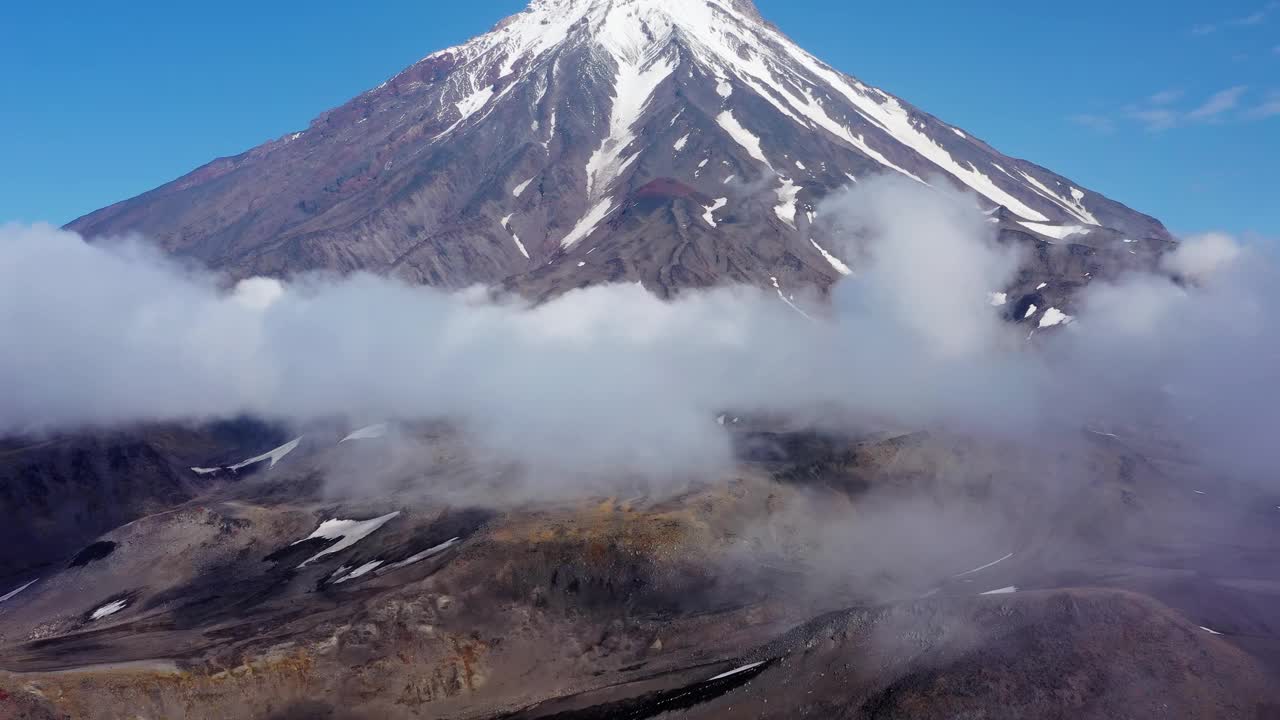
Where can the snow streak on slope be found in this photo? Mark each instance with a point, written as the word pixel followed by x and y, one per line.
pixel 889 114
pixel 633 86
pixel 372 432
pixel 742 136
pixel 506 224
pixel 429 553
pixel 1074 206
pixel 588 223
pixel 1059 232
pixel 14 593
pixel 835 262
pixel 275 456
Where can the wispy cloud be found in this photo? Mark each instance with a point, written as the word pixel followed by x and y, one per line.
pixel 1166 97
pixel 1258 17
pixel 1269 108
pixel 1097 123
pixel 1154 119
pixel 1220 103
pixel 1162 111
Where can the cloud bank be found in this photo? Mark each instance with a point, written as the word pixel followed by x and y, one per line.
pixel 614 379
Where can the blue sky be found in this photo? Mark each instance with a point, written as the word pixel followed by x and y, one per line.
pixel 1172 107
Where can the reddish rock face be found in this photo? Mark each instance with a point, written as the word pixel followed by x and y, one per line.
pixel 667 188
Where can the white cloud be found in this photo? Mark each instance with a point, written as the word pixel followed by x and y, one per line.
pixel 612 382
pixel 1253 19
pixel 1155 119
pixel 1166 97
pixel 112 332
pixel 258 293
pixel 1202 257
pixel 1270 107
pixel 1157 113
pixel 1257 18
pixel 1219 103
pixel 1100 123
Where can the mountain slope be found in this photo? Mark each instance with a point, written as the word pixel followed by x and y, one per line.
pixel 529 146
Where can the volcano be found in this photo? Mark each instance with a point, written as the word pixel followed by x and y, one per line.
pixel 676 143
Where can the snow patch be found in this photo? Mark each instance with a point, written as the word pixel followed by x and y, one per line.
pixel 1059 232
pixel 1054 317
pixel 1003 591
pixel 346 532
pixel 551 133
pixel 709 215
pixel 274 456
pixel 588 223
pixel 519 189
pixel 425 554
pixel 681 143
pixel 472 104
pixel 782 296
pixel 786 207
pixel 737 671
pixel 373 432
pixel 1074 207
pixel 109 609
pixel 1030 311
pixel 984 567
pixel 835 262
pixel 359 572
pixel 506 224
pixel 742 136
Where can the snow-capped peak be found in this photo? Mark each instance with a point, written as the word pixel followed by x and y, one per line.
pixel 641 43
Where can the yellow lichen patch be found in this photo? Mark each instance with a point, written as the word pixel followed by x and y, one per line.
pixel 693 523
pixel 129 691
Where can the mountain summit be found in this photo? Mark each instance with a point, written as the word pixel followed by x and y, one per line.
pixel 679 143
